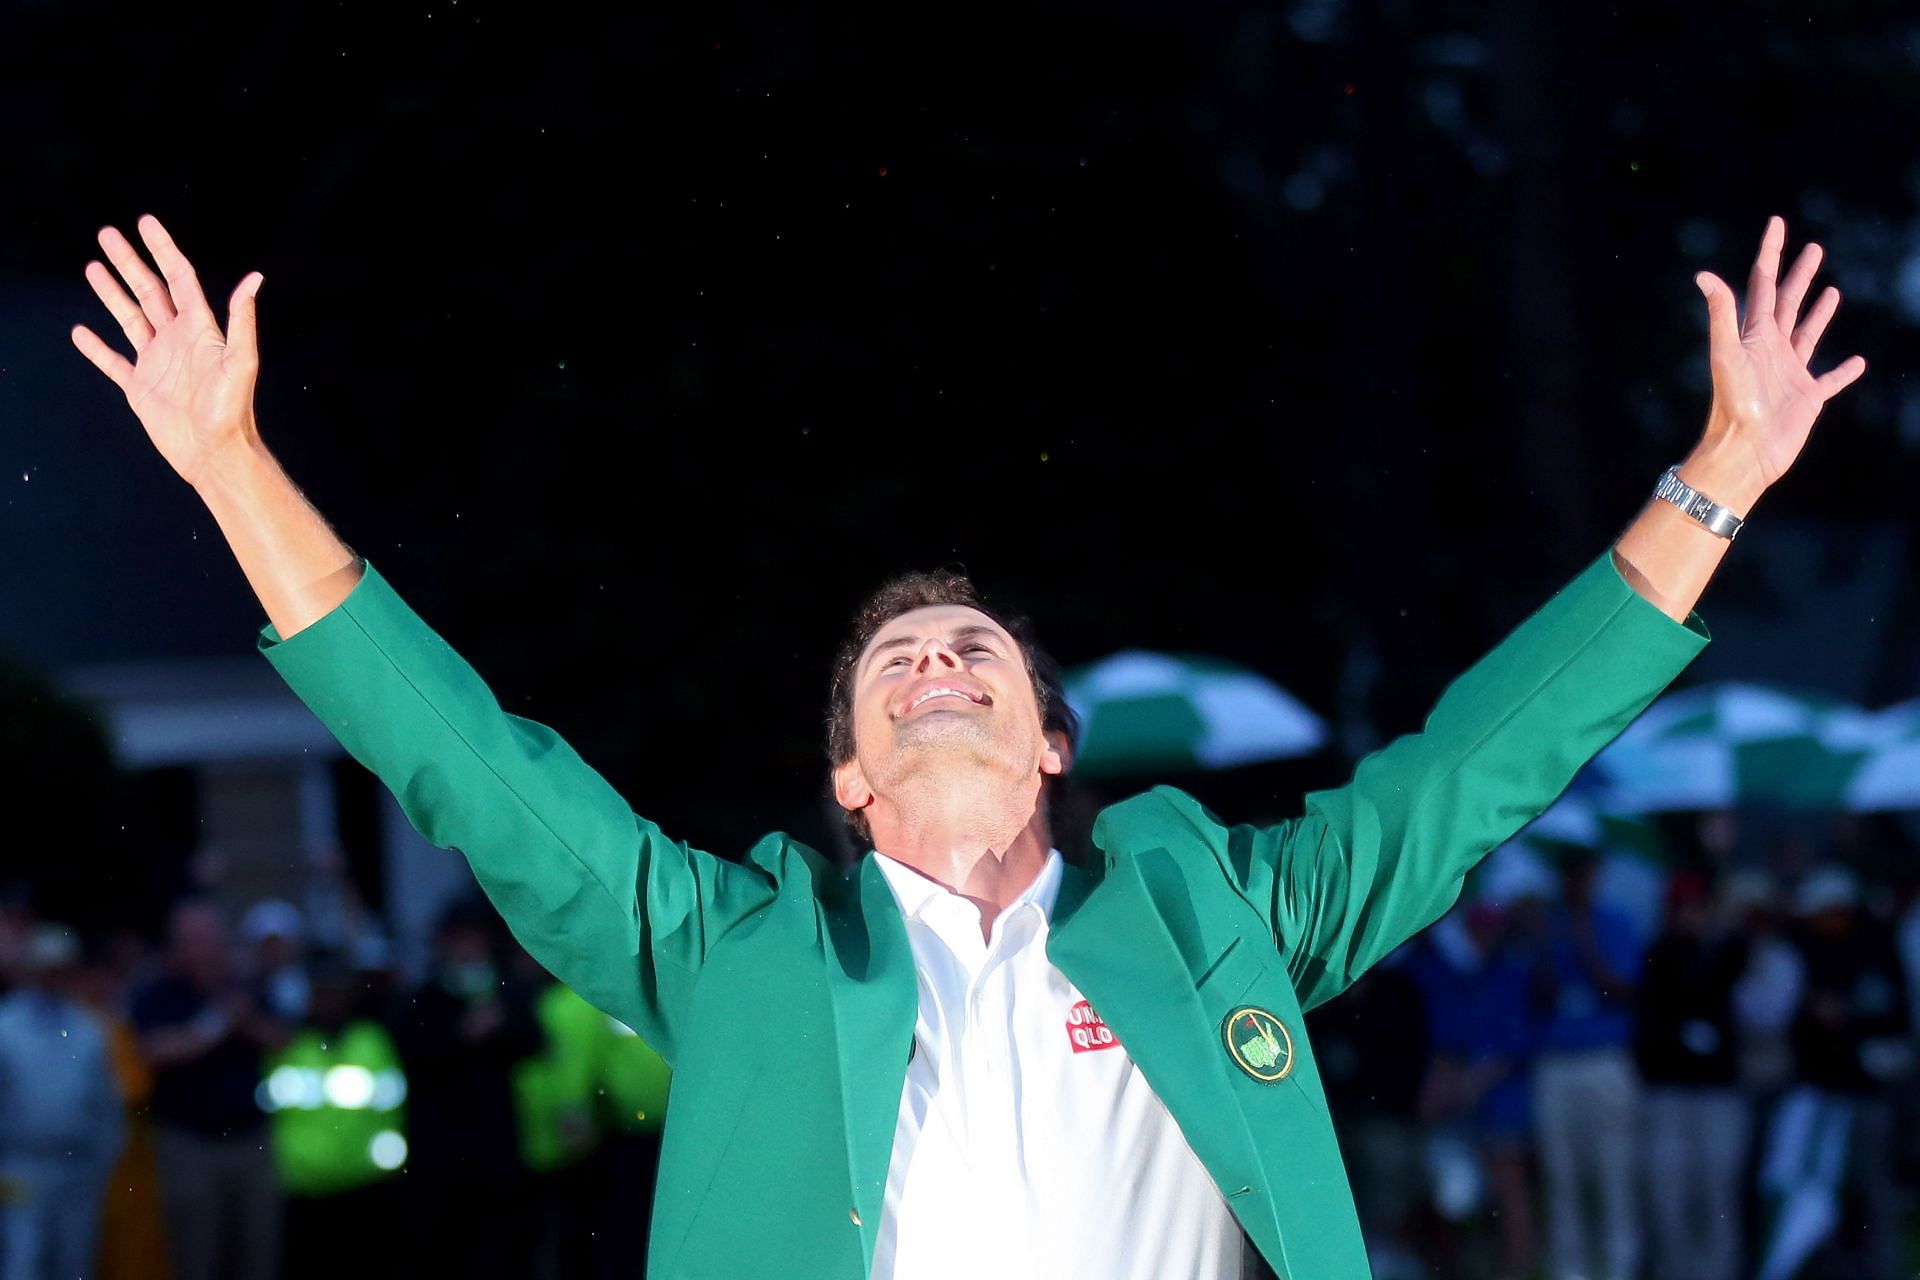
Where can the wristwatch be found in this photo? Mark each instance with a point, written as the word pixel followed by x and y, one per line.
pixel 1715 517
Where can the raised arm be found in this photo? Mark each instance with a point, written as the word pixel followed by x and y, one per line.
pixel 1370 863
pixel 600 896
pixel 192 389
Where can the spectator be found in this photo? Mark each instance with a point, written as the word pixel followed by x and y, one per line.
pixel 554 1094
pixel 1475 973
pixel 337 1096
pixel 460 1038
pixel 1697 1124
pixel 1767 993
pixel 60 1117
pixel 275 936
pixel 1849 1048
pixel 1586 1093
pixel 634 1083
pixel 133 1244
pixel 204 1032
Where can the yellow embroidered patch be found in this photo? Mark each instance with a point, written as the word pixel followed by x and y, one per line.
pixel 1258 1043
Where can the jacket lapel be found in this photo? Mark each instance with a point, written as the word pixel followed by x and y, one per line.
pixel 875 996
pixel 1116 947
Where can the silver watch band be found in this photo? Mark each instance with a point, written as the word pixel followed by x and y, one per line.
pixel 1715 517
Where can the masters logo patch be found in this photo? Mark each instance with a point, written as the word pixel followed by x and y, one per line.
pixel 1258 1043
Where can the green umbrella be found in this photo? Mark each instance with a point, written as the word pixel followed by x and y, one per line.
pixel 1725 745
pixel 1142 712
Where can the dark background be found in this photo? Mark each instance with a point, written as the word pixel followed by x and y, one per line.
pixel 635 344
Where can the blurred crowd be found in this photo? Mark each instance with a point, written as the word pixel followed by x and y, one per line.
pixel 1697 1071
pixel 245 1100
pixel 1718 1085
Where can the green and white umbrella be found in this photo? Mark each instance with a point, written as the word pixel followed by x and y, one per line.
pixel 1142 711
pixel 1725 745
pixel 1890 777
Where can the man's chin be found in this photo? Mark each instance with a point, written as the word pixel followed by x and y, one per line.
pixel 951 741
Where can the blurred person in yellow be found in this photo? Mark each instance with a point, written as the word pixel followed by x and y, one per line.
pixel 133 1241
pixel 336 1099
pixel 560 1134
pixel 632 1085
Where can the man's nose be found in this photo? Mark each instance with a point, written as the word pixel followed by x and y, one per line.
pixel 934 654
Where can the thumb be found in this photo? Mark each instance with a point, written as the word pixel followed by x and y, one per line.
pixel 1723 325
pixel 243 336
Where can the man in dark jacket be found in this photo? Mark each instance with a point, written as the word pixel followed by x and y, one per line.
pixel 1849 1047
pixel 204 1032
pixel 1697 1122
pixel 460 1037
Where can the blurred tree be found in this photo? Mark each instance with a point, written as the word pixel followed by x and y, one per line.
pixel 60 793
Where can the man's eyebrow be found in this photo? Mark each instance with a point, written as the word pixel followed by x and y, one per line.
pixel 971 631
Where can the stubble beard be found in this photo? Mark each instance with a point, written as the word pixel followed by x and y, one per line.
pixel 963 754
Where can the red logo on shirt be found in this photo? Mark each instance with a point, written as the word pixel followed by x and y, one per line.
pixel 1087 1030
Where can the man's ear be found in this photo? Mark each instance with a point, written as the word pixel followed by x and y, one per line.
pixel 1058 757
pixel 850 787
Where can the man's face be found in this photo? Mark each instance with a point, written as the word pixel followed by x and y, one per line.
pixel 941 688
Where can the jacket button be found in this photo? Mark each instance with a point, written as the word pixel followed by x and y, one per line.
pixel 855 1215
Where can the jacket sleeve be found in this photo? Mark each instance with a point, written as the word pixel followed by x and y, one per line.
pixel 600 896
pixel 1371 863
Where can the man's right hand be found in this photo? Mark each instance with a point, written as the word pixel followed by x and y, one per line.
pixel 192 389
pixel 190 385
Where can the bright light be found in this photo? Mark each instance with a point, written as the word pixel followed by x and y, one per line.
pixel 389 1090
pixel 347 1087
pixel 292 1087
pixel 388 1150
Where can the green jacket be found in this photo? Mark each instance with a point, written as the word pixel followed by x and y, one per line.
pixel 783 992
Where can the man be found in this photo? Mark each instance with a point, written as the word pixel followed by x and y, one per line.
pixel 1586 1089
pixel 1850 1052
pixel 1475 973
pixel 462 1036
pixel 1697 1122
pixel 204 1032
pixel 964 1054
pixel 61 1122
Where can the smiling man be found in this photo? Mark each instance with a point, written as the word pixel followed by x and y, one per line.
pixel 963 1057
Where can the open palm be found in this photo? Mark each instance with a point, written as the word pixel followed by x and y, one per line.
pixel 1763 392
pixel 190 385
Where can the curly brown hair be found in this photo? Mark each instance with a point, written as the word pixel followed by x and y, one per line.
pixel 922 590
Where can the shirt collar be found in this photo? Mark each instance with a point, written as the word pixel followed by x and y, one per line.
pixel 915 892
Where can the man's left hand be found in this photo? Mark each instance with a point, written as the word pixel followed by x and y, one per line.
pixel 1765 398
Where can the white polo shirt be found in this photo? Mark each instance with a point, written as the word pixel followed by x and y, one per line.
pixel 1028 1145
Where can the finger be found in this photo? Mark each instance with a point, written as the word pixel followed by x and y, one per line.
pixel 1766 265
pixel 173 264
pixel 123 308
pixel 1841 376
pixel 1723 327
pixel 1807 336
pixel 104 357
pixel 243 331
pixel 1786 309
pixel 146 286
